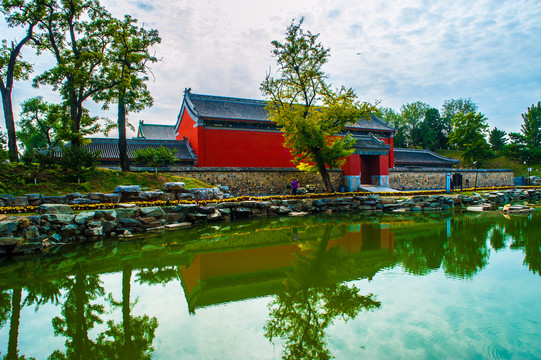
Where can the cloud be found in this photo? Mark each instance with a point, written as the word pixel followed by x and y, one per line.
pixel 410 50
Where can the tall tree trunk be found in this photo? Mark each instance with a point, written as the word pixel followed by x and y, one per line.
pixel 122 143
pixel 326 179
pixel 10 124
pixel 14 324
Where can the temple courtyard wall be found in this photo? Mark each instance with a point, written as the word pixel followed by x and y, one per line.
pixel 262 181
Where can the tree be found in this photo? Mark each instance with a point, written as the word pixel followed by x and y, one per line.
pixel 155 157
pixel 394 119
pixel 25 14
pixel 130 53
pixel 531 127
pixel 310 114
pixel 497 139
pixel 39 124
pixel 469 135
pixel 78 161
pixel 454 107
pixel 75 32
pixel 413 115
pixel 436 135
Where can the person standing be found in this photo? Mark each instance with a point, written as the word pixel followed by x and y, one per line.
pixel 294 186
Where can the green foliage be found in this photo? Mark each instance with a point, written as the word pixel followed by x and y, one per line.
pixel 4 154
pixel 468 134
pixel 531 128
pixel 394 119
pixel 39 123
pixel 78 161
pixel 308 111
pixel 155 157
pixel 497 139
pixel 413 115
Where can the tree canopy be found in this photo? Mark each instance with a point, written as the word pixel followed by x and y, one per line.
pixel 311 115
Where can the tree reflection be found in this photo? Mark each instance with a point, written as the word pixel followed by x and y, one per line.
pixel 132 339
pixel 313 298
pixel 80 315
pixel 524 231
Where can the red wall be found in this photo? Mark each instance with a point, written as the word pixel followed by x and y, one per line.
pixel 187 129
pixel 352 165
pixel 241 148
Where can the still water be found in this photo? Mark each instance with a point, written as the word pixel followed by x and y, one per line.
pixel 457 286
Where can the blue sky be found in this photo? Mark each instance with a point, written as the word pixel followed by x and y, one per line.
pixel 395 52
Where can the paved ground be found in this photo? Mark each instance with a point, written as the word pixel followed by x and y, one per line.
pixel 374 188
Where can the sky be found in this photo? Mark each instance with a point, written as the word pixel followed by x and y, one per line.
pixel 393 52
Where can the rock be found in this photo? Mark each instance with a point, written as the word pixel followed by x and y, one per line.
pixel 216 216
pixel 128 224
pixel 154 196
pixel 241 212
pixel 94 232
pixel 283 210
pixel 95 196
pixel 228 205
pixel 128 189
pixel 248 204
pixel 128 192
pixel 127 233
pixel 58 218
pixel 54 200
pixel 84 217
pixel 186 208
pixel 8 227
pixel 17 201
pixel 179 225
pixel 9 241
pixel 123 212
pixel 111 198
pixel 33 197
pixel 55 209
pixel 175 218
pixel 154 211
pixel 206 210
pixel 70 230
pixel 204 193
pixel 31 232
pixel 105 214
pixel 74 196
pixel 173 186
pixel 82 201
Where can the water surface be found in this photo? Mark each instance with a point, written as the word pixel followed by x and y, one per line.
pixel 412 286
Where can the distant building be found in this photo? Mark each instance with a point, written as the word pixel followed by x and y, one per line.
pixel 417 158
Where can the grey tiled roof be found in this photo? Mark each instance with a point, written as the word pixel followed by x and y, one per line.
pixel 109 148
pixel 219 107
pixel 369 142
pixel 156 131
pixel 417 157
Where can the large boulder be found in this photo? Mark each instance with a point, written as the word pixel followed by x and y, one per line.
pixel 128 192
pixel 8 227
pixel 54 200
pixel 17 201
pixel 154 211
pixel 173 186
pixel 55 209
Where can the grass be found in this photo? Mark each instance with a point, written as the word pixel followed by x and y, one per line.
pixel 18 179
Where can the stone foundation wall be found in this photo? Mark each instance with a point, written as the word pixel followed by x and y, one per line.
pixel 411 179
pixel 258 181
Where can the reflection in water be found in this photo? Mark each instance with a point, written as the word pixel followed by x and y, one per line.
pixel 313 298
pixel 305 264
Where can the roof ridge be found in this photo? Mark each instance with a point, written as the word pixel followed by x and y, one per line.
pixel 226 98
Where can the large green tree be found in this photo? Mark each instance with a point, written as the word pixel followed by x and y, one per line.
pixel 310 114
pixel 469 131
pixel 25 14
pixel 497 139
pixel 393 118
pixel 454 107
pixel 77 33
pixel 413 115
pixel 130 53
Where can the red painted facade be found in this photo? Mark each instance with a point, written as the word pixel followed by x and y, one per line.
pixel 230 142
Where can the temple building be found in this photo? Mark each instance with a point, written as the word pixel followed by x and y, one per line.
pixel 233 132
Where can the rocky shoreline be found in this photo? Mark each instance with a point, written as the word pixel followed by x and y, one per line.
pixel 57 224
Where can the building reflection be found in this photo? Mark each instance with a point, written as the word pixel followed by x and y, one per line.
pixel 236 274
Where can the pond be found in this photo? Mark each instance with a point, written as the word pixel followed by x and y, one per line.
pixel 420 286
